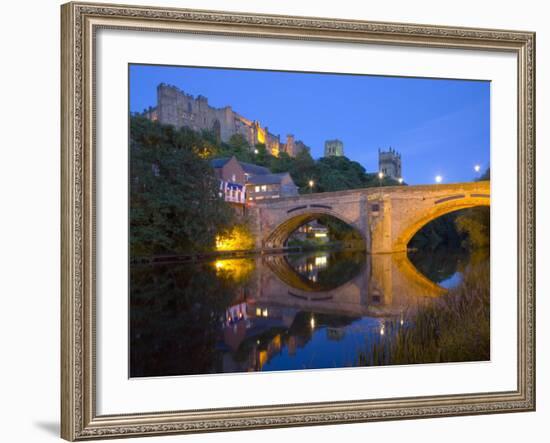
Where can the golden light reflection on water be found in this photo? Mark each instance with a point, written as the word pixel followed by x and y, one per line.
pixel 236 269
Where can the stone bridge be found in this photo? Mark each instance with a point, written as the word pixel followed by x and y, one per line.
pixel 386 217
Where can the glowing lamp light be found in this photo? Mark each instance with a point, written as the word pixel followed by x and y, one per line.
pixel 380 175
pixel 438 179
pixel 477 168
pixel 311 183
pixel 400 180
pixel 312 323
pixel 256 151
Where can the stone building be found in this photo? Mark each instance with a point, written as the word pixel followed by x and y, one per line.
pixel 235 171
pixel 260 187
pixel 241 181
pixel 175 107
pixel 334 148
pixel 389 163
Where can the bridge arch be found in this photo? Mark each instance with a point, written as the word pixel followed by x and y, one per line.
pixel 416 220
pixel 278 236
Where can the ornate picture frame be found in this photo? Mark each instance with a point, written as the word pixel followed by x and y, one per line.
pixel 80 22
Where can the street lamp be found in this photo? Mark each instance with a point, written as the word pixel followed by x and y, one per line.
pixel 438 179
pixel 311 183
pixel 400 180
pixel 255 151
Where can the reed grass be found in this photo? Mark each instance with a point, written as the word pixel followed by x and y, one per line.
pixel 453 328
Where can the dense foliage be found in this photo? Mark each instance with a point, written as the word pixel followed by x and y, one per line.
pixel 174 201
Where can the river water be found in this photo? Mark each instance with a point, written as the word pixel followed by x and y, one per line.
pixel 324 309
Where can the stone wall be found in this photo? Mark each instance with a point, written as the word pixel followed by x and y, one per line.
pixel 175 107
pixel 389 163
pixel 386 217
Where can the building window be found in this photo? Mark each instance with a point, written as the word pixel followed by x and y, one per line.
pixel 375 207
pixel 233 178
pixel 256 189
pixel 189 108
pixel 264 188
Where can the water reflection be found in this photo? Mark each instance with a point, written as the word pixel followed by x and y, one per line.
pixel 275 312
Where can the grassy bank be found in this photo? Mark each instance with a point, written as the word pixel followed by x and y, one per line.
pixel 454 328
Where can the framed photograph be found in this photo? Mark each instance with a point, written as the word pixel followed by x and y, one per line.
pixel 283 221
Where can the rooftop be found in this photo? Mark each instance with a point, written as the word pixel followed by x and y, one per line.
pixel 267 179
pixel 249 168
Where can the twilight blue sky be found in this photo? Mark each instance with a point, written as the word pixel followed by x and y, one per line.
pixel 439 126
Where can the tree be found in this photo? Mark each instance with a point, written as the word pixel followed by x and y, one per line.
pixel 303 170
pixel 175 205
pixel 282 163
pixel 261 156
pixel 475 223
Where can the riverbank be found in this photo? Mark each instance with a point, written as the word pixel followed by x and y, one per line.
pixel 202 256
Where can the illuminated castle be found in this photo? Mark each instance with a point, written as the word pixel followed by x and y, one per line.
pixel 175 107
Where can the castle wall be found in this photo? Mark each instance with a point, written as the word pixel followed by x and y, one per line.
pixel 334 148
pixel 175 107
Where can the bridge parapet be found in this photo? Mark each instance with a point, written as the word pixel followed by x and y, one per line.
pixel 386 217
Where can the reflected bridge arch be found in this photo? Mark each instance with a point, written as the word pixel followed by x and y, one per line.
pixel 387 284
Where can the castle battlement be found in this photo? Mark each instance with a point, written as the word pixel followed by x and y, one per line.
pixel 334 148
pixel 389 163
pixel 180 109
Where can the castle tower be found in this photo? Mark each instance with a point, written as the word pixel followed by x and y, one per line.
pixel 334 148
pixel 389 163
pixel 290 146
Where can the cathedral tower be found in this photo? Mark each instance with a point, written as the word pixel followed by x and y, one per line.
pixel 389 163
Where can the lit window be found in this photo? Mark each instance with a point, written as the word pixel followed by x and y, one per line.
pixel 264 188
pixel 256 188
pixel 233 178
